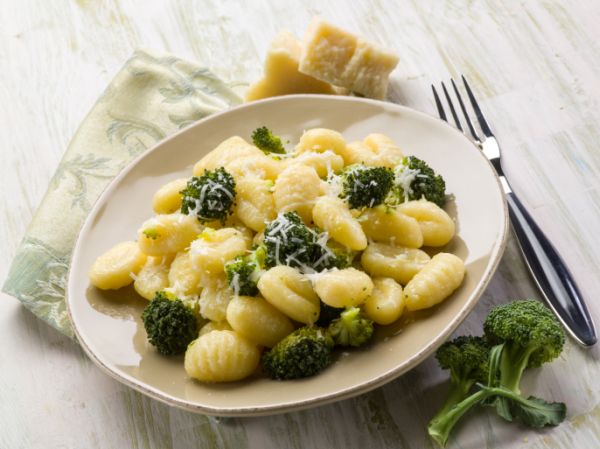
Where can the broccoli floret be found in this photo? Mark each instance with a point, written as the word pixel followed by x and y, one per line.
pixel 303 353
pixel 209 196
pixel 288 241
pixel 351 328
pixel 327 314
pixel 415 180
pixel 268 142
pixel 366 186
pixel 170 325
pixel 466 358
pixel 530 334
pixel 243 272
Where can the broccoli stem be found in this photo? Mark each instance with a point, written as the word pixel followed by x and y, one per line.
pixel 532 412
pixel 458 392
pixel 441 426
pixel 513 362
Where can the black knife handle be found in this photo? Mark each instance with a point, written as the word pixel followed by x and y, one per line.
pixel 551 274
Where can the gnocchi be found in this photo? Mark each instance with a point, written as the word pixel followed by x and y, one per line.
pixel 258 321
pixel 255 203
pixel 332 215
pixel 291 293
pixel 153 277
pixel 384 224
pixel 343 288
pixel 436 225
pixel 386 303
pixel 167 199
pixel 297 189
pixel 435 282
pixel 221 356
pixel 167 234
pixel 282 229
pixel 397 262
pixel 114 269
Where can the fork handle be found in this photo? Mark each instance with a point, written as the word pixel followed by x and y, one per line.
pixel 551 274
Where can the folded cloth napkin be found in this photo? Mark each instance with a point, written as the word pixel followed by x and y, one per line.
pixel 151 97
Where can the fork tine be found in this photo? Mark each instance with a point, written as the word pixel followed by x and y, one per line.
pixel 464 111
pixel 480 118
pixel 438 103
pixel 451 107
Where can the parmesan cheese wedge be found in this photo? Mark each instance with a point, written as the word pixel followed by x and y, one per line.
pixel 281 75
pixel 332 55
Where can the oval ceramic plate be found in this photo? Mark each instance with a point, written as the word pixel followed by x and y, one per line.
pixel 108 325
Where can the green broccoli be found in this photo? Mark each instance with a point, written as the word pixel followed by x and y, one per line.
pixel 288 241
pixel 303 353
pixel 466 358
pixel 268 142
pixel 525 334
pixel 209 196
pixel 170 325
pixel 351 328
pixel 243 272
pixel 529 335
pixel 366 186
pixel 414 179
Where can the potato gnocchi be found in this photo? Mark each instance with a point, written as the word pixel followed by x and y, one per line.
pixel 285 251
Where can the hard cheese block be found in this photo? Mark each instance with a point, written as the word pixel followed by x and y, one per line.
pixel 340 58
pixel 281 75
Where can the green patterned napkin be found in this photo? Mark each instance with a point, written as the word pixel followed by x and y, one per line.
pixel 151 97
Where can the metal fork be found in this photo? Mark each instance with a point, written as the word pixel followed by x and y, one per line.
pixel 545 264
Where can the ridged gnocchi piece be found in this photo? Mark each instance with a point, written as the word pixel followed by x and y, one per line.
pixel 113 269
pixel 167 199
pixel 167 234
pixel 296 189
pixel 259 166
pixel 215 326
pixel 324 163
pixel 385 151
pixel 184 278
pixel 436 225
pixel 255 204
pixel 343 288
pixel 435 282
pixel 320 140
pixel 291 293
pixel 214 248
pixel 397 262
pixel 221 356
pixel 385 224
pixel 332 215
pixel 386 303
pixel 215 299
pixel 153 277
pixel 258 320
pixel 227 151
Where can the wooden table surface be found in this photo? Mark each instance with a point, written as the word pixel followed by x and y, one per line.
pixel 536 68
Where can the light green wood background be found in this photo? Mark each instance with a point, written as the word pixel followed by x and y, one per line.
pixel 536 67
